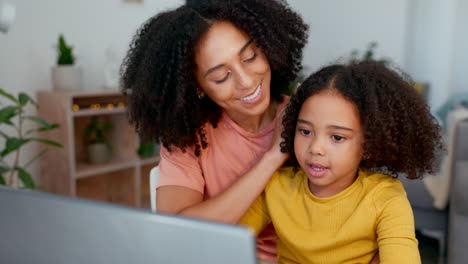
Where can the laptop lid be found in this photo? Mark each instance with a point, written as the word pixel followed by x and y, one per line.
pixel 42 228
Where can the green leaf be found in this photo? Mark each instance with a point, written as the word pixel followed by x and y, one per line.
pixel 7 113
pixel 7 95
pixel 65 55
pixel 48 142
pixel 147 150
pixel 42 129
pixel 13 144
pixel 24 99
pixel 42 122
pixel 26 178
pixel 2 171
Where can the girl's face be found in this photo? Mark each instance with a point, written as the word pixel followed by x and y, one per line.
pixel 233 72
pixel 328 143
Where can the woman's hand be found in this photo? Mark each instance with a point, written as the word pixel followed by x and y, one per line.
pixel 275 149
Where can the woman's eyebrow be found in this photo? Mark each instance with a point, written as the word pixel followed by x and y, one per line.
pixel 245 46
pixel 222 65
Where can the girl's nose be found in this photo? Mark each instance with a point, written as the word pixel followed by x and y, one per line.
pixel 317 146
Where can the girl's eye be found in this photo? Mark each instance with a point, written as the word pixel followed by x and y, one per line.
pixel 338 138
pixel 251 58
pixel 223 79
pixel 305 132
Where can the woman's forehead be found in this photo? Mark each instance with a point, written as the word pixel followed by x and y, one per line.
pixel 222 41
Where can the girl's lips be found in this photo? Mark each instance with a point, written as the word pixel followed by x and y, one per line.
pixel 317 170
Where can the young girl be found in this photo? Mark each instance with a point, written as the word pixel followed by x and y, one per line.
pixel 344 125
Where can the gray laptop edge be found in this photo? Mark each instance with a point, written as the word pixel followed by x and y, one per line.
pixel 42 228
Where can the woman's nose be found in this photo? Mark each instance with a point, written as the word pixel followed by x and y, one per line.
pixel 244 79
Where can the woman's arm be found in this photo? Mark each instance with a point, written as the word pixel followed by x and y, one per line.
pixel 230 205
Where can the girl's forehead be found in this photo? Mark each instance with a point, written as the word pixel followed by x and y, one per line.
pixel 330 108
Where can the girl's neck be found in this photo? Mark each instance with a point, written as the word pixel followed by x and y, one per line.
pixel 329 191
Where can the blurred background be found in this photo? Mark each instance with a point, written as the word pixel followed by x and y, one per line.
pixel 425 38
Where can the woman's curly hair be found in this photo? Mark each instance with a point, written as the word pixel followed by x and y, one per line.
pixel 158 78
pixel 401 135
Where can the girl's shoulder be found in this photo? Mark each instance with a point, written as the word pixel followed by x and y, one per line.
pixel 380 180
pixel 383 188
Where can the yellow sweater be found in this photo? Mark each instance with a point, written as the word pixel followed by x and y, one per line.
pixel 371 215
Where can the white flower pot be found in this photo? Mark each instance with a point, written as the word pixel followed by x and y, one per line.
pixel 66 77
pixel 98 153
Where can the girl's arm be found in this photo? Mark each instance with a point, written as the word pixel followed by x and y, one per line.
pixel 230 205
pixel 395 229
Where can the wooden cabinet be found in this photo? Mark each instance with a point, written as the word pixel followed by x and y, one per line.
pixel 124 179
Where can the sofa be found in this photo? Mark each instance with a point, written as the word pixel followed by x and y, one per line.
pixel 457 246
pixel 450 225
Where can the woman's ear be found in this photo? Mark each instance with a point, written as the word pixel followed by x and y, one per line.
pixel 200 93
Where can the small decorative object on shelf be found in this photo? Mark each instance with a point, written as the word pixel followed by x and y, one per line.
pixel 66 75
pixel 108 106
pixel 99 147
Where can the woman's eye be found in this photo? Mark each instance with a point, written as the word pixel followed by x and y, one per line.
pixel 251 58
pixel 338 138
pixel 223 79
pixel 305 132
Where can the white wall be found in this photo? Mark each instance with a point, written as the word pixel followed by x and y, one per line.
pixel 460 48
pixel 28 52
pixel 339 26
pixel 430 45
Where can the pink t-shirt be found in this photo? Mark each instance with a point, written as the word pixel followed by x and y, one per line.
pixel 230 153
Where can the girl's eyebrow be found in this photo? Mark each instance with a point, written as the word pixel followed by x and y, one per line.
pixel 222 65
pixel 340 128
pixel 302 121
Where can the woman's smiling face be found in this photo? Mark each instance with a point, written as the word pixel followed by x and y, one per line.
pixel 233 72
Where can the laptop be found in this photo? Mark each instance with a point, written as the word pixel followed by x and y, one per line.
pixel 42 228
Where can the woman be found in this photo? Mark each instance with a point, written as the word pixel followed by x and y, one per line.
pixel 206 80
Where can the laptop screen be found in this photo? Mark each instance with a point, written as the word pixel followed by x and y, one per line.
pixel 42 228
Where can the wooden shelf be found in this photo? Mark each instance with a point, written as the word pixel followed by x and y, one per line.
pixel 149 161
pixel 93 112
pixel 124 179
pixel 85 170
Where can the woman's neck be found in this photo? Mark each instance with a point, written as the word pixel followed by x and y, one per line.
pixel 258 123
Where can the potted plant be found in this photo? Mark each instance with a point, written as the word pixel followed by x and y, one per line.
pixel 66 75
pixel 99 148
pixel 147 148
pixel 13 119
pixel 367 55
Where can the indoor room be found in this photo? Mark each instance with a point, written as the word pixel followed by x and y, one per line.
pixel 69 123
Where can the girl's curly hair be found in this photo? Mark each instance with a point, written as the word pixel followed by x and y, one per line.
pixel 157 75
pixel 401 135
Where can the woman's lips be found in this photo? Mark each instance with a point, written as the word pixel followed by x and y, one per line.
pixel 254 97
